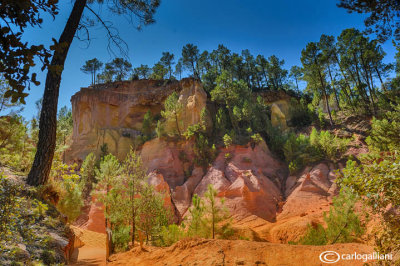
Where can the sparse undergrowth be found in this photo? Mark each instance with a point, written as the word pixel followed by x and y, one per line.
pixel 28 226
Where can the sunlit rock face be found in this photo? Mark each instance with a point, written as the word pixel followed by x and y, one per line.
pixel 113 113
pixel 279 101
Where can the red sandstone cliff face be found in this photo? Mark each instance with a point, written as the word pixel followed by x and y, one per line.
pixel 265 202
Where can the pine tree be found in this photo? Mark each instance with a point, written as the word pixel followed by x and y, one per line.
pixel 134 176
pixel 91 67
pixel 172 109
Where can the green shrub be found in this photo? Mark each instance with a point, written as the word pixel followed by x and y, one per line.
pixel 147 126
pixel 321 118
pixel 331 145
pixel 9 200
pixel 300 115
pixel 384 135
pixel 227 140
pixel 276 139
pixel 256 138
pixel 299 152
pixel 16 148
pixel 343 224
pixel 71 200
pixel 48 257
pixel 378 185
pixel 160 130
pixel 171 234
pixel 88 174
pixel 316 236
pixel 302 150
pixel 121 237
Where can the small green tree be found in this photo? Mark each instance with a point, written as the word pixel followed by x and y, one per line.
pixel 385 134
pixel 342 223
pixel 88 174
pixel 152 214
pixel 171 234
pixel 71 201
pixel 147 125
pixel 107 187
pixel 196 226
pixel 215 213
pixel 378 186
pixel 172 109
pixel 167 60
pixel 134 175
pixel 142 72
pixel 227 140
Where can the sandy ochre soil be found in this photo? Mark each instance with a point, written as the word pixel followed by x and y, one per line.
pixel 93 251
pixel 235 252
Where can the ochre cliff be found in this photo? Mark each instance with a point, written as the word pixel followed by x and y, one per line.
pixel 113 113
pixel 265 202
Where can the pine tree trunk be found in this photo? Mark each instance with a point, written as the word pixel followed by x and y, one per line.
pixel 326 97
pixel 48 117
pixel 380 78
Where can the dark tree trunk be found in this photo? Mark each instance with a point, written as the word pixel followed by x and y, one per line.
pixel 48 117
pixel 333 87
pixel 380 78
pixel 326 97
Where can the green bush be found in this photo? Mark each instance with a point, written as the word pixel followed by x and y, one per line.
pixel 121 237
pixel 71 199
pixel 331 145
pixel 147 126
pixel 302 150
pixel 16 148
pixel 316 236
pixel 48 257
pixel 384 135
pixel 321 118
pixel 203 151
pixel 299 152
pixel 342 223
pixel 227 140
pixel 300 115
pixel 88 174
pixel 378 185
pixel 171 234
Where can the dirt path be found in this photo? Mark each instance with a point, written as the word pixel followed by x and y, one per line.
pixel 93 252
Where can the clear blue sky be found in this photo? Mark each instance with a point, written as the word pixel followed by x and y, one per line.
pixel 264 27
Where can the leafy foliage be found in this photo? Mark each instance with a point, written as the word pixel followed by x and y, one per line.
pixel 88 174
pixel 208 219
pixel 26 219
pixel 383 16
pixel 172 108
pixel 342 223
pixel 385 134
pixel 303 150
pixel 152 214
pixel 16 148
pixel 215 214
pixel 17 56
pixel 71 200
pixel 91 67
pixel 378 185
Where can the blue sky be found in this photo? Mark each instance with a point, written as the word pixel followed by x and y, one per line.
pixel 264 27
